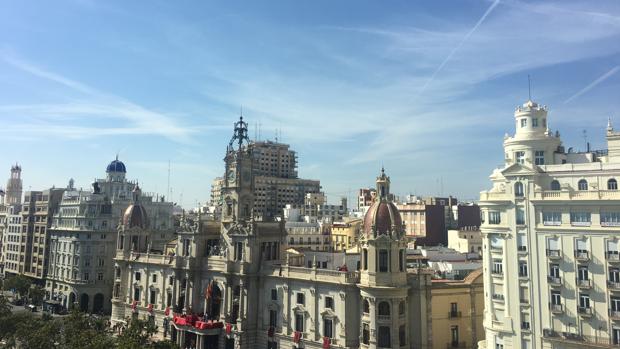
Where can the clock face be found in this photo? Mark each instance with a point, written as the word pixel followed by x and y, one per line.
pixel 231 175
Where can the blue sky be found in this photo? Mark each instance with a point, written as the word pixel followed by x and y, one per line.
pixel 427 88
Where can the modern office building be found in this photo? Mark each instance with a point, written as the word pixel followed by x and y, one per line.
pixel 551 241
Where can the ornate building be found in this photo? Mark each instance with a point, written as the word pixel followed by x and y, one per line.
pixel 550 241
pixel 227 284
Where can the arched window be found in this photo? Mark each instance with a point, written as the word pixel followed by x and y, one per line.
pixel 582 185
pixel 518 189
pixel 384 309
pixel 366 306
pixel 401 308
pixel 612 184
pixel 555 185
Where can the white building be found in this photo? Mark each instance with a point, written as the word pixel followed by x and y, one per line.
pixel 228 284
pixel 550 241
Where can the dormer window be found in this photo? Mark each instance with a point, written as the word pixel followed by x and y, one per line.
pixel 523 122
pixel 582 185
pixel 520 157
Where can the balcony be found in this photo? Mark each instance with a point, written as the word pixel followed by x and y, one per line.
pixel 582 256
pixel 522 249
pixel 497 273
pixel 554 281
pixel 584 284
pixel 454 314
pixel 614 314
pixel 612 256
pixel 576 339
pixel 383 317
pixel 556 308
pixel 525 326
pixel 498 297
pixel 613 285
pixel 584 311
pixel 554 254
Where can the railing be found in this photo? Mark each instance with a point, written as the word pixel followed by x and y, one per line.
pixel 556 308
pixel 575 338
pixel 613 285
pixel 458 345
pixel 525 326
pixel 552 254
pixel 522 248
pixel 584 283
pixel 552 223
pixel 614 314
pixel 581 255
pixel 383 317
pixel 612 256
pixel 497 272
pixel 576 195
pixel 454 314
pixel 585 311
pixel 498 297
pixel 554 280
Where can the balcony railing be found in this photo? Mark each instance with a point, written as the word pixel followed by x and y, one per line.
pixel 614 314
pixel 454 314
pixel 525 326
pixel 578 339
pixel 556 308
pixel 584 311
pixel 584 283
pixel 458 345
pixel 582 255
pixel 522 248
pixel 498 297
pixel 612 256
pixel 383 317
pixel 554 280
pixel 554 254
pixel 613 285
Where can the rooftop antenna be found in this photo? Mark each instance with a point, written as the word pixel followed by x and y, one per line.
pixel 259 125
pixel 529 87
pixel 276 135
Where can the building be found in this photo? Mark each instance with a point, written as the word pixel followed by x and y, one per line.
pixel 10 204
pixel 465 240
pixel 14 244
pixel 426 223
pixel 365 198
pixel 83 237
pixel 551 242
pixel 458 308
pixel 276 183
pixel 228 284
pixel 13 190
pixel 37 212
pixel 345 233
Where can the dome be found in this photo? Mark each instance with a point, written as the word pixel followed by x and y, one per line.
pixel 135 216
pixel 116 166
pixel 382 217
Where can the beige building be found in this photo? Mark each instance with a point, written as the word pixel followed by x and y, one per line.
pixel 345 233
pixel 457 312
pixel 465 240
pixel 551 241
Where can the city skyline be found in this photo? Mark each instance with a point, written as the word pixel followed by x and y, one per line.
pixel 157 84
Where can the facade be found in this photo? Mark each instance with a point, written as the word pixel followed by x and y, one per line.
pixel 37 212
pixel 345 233
pixel 10 203
pixel 14 190
pixel 466 240
pixel 365 198
pixel 228 283
pixel 458 308
pixel 551 241
pixel 425 222
pixel 83 236
pixel 14 244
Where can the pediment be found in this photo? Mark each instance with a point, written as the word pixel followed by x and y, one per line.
pixel 519 170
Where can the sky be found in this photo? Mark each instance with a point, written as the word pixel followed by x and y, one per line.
pixel 426 88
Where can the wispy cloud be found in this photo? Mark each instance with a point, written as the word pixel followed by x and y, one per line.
pixel 594 83
pixel 457 47
pixel 92 103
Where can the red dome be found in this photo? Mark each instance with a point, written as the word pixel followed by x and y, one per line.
pixel 382 217
pixel 135 216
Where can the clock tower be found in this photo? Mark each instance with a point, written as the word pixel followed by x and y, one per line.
pixel 237 192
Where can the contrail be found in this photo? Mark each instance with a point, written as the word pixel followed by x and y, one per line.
pixel 594 83
pixel 484 16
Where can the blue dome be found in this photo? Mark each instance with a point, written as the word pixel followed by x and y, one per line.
pixel 116 166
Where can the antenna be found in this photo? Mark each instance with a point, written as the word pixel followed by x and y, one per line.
pixel 276 135
pixel 585 138
pixel 529 87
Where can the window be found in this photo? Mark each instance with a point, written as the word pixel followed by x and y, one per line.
pixel 402 308
pixel 519 189
pixel 100 276
pixel 365 259
pixel 136 294
pixel 384 337
pixel 539 157
pixel 152 297
pixel 329 303
pixel 154 278
pixel 383 260
pixel 520 157
pixel 402 336
pixel 273 318
pixel 498 267
pixel 612 184
pixel 554 270
pixel 523 122
pixel 137 276
pixel 454 335
pixel 552 218
pixel 523 269
pixel 556 298
pixel 365 333
pixel 584 301
pixel 328 328
pixel 610 219
pixel 494 217
pixel 299 322
pixel 534 122
pixel 525 321
pixel 301 299
pixel 520 216
pixel 580 218
pixel 582 273
pixel 401 260
pixel 239 251
pixel 86 276
pixel 582 185
pixel 555 185
pixel 366 306
pixel 384 309
pixel 274 294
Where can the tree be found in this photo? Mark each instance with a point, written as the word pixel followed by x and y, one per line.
pixel 36 294
pixel 36 333
pixel 19 283
pixel 84 331
pixel 139 335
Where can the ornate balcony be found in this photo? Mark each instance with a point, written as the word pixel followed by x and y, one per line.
pixel 584 284
pixel 554 254
pixel 554 280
